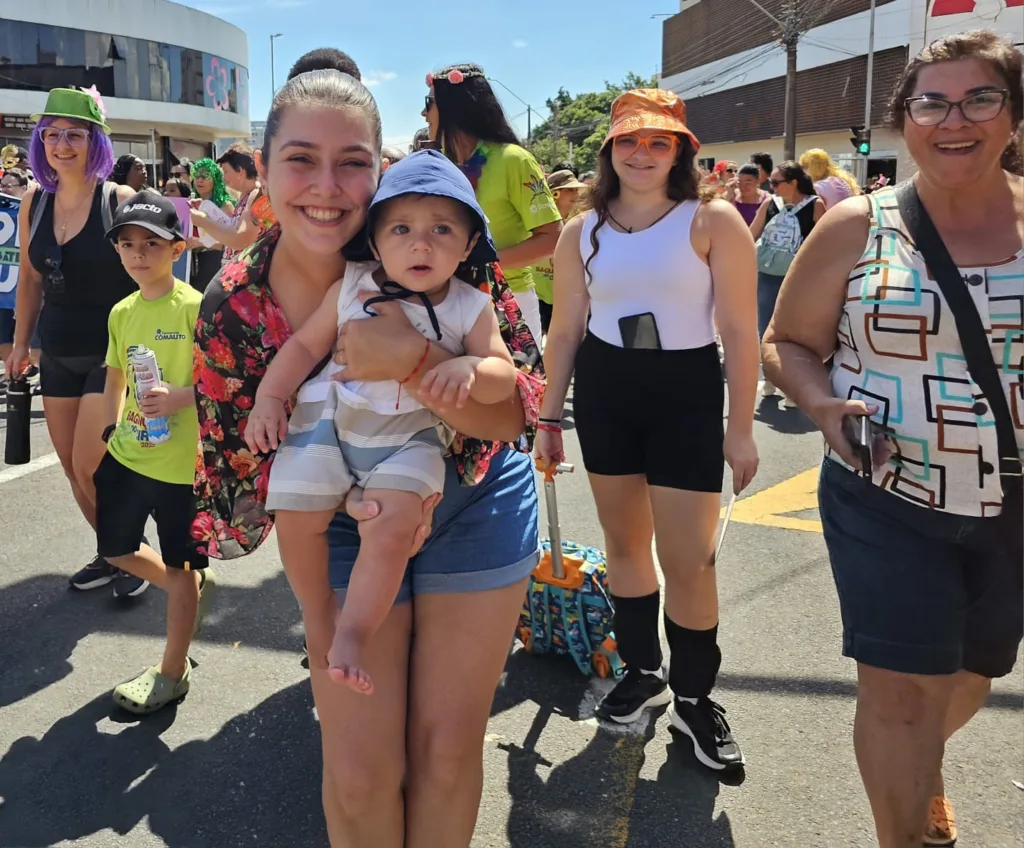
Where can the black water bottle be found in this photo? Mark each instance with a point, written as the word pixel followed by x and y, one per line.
pixel 18 449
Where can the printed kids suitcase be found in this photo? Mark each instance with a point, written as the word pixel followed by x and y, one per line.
pixel 567 609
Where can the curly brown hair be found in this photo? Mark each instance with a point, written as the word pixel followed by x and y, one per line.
pixel 980 44
pixel 684 183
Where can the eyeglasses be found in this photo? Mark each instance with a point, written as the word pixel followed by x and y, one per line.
pixel 54 279
pixel 979 108
pixel 428 101
pixel 777 183
pixel 74 136
pixel 659 146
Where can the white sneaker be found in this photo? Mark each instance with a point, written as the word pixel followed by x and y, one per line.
pixel 788 402
pixel 768 389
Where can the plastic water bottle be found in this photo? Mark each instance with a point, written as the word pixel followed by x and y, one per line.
pixel 147 376
pixel 18 449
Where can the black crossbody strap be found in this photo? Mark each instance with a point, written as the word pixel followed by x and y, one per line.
pixel 972 334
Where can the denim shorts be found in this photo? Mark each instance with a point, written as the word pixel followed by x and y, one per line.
pixel 484 537
pixel 768 286
pixel 920 592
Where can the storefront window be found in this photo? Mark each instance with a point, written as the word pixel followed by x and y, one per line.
pixel 38 57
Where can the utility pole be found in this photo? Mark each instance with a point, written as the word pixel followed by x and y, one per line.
pixel 862 162
pixel 554 135
pixel 273 84
pixel 790 37
pixel 529 116
pixel 790 34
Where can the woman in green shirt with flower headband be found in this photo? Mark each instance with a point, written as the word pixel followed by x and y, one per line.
pixel 464 115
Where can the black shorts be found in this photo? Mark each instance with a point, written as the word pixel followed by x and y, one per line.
pixel 920 592
pixel 124 501
pixel 545 315
pixel 653 412
pixel 71 376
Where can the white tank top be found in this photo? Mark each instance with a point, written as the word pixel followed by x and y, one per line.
pixel 654 270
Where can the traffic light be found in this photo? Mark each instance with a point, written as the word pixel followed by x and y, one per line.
pixel 861 139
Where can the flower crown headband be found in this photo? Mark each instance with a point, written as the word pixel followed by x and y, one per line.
pixel 454 76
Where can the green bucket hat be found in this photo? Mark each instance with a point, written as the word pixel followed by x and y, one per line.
pixel 79 104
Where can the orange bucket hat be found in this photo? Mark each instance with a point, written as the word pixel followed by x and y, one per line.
pixel 649 109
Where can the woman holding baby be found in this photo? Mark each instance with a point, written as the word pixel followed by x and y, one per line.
pixel 387 768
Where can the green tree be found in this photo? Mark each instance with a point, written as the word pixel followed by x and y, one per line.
pixel 579 123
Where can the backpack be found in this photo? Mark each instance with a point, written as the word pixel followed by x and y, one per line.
pixel 42 198
pixel 781 238
pixel 575 622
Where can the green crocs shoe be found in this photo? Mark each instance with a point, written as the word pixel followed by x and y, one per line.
pixel 207 589
pixel 151 691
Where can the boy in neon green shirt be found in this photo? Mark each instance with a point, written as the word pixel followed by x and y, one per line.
pixel 139 476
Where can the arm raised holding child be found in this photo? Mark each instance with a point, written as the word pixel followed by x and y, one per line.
pixel 268 422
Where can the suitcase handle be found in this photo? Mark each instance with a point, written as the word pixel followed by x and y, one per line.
pixel 549 470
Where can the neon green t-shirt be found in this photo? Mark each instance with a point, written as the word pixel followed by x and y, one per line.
pixel 167 327
pixel 515 199
pixel 544 280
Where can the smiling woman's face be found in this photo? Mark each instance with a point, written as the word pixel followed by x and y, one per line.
pixel 67 145
pixel 957 152
pixel 321 175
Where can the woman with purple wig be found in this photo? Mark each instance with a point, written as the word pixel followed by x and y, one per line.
pixel 70 278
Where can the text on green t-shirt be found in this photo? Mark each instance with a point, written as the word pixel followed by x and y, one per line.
pixel 167 327
pixel 516 200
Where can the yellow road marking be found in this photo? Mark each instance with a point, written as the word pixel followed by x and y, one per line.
pixel 773 507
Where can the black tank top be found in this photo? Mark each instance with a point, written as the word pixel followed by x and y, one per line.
pixel 74 320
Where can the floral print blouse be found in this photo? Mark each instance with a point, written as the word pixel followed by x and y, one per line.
pixel 240 329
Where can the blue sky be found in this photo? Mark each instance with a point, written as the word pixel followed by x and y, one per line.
pixel 532 46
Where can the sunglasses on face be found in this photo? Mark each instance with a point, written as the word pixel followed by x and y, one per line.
pixel 659 146
pixel 73 136
pixel 428 101
pixel 54 278
pixel 777 183
pixel 978 108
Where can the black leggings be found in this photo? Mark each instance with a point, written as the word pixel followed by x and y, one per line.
pixel 652 412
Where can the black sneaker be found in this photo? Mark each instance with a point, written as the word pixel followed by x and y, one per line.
pixel 128 585
pixel 632 695
pixel 705 724
pixel 97 573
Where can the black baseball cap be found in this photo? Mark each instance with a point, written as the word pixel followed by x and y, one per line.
pixel 152 212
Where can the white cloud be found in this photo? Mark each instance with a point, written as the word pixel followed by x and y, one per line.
pixel 519 44
pixel 378 77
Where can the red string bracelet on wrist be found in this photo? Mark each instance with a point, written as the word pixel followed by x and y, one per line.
pixel 549 428
pixel 413 373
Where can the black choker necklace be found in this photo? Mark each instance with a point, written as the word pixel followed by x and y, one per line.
pixel 629 230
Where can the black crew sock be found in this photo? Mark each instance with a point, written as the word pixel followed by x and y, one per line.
pixel 636 631
pixel 694 661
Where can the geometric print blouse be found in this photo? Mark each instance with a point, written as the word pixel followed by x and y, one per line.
pixel 898 347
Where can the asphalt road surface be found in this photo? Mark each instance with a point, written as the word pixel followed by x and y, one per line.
pixel 238 763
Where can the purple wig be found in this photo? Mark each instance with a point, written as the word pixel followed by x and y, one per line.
pixel 98 165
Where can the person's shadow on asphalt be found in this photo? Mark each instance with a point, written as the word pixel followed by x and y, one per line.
pixel 254 783
pixel 58 618
pixel 598 796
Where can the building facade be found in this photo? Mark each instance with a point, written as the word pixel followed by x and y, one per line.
pixel 724 59
pixel 174 80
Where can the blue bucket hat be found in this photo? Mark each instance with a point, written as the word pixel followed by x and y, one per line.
pixel 430 172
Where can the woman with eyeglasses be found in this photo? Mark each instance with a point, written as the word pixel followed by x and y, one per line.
pixel 70 278
pixel 466 118
pixel 652 262
pixel 781 225
pixel 923 534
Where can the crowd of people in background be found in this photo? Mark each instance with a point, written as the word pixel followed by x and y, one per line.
pixel 623 281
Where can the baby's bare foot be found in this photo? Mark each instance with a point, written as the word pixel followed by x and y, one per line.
pixel 345 666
